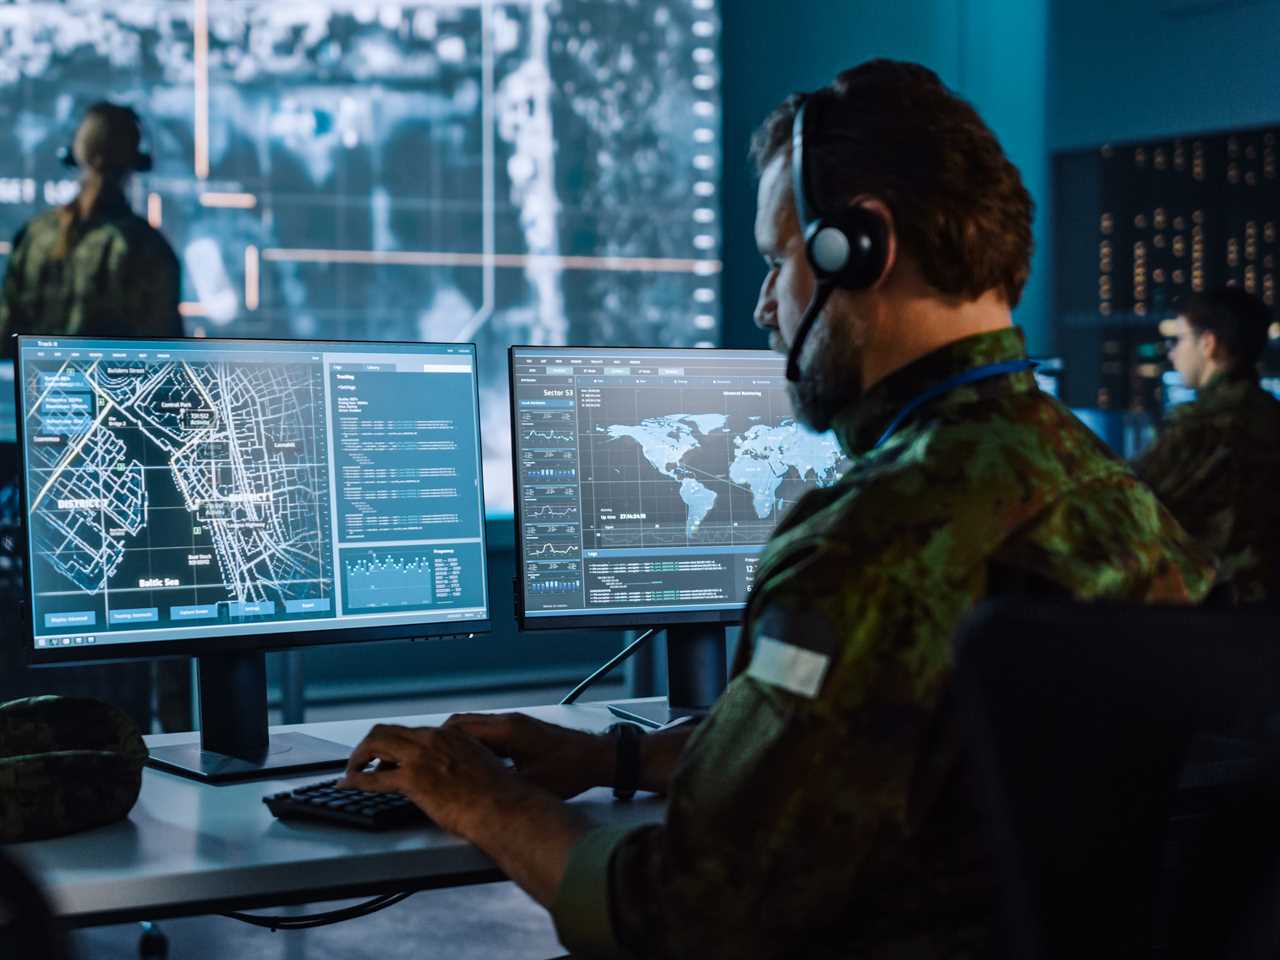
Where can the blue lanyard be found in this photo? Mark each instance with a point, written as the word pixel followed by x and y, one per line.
pixel 959 380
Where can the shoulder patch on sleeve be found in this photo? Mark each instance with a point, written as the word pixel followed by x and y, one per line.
pixel 792 650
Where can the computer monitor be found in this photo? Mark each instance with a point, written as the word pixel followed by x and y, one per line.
pixel 1174 391
pixel 215 498
pixel 1050 373
pixel 647 483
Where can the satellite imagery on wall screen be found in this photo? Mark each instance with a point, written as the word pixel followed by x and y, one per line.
pixel 503 171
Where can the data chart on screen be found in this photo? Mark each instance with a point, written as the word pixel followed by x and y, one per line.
pixel 651 480
pixel 188 488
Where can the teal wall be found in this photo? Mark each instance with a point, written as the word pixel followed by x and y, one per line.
pixel 1152 68
pixel 1146 69
pixel 993 52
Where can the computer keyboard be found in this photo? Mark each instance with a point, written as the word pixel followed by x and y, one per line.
pixel 353 808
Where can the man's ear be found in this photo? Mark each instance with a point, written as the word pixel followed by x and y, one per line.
pixel 1212 347
pixel 881 210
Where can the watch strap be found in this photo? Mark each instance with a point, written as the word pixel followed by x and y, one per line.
pixel 626 769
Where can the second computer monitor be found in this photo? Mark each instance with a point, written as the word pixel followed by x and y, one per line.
pixel 649 480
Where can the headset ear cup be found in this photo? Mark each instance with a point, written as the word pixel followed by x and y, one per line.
pixel 866 237
pixel 828 249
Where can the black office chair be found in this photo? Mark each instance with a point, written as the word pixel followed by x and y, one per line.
pixel 27 925
pixel 1126 766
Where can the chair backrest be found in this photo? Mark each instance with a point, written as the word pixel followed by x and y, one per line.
pixel 27 925
pixel 1125 765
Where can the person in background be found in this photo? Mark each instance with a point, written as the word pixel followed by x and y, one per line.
pixel 1216 461
pixel 93 267
pixel 823 807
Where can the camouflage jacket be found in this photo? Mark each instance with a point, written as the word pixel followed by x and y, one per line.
pixel 822 809
pixel 120 279
pixel 1216 466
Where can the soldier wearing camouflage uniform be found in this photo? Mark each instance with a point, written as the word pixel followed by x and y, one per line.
pixel 822 808
pixel 93 267
pixel 1216 462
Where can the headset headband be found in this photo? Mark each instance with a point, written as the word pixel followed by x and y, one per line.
pixel 846 249
pixel 805 209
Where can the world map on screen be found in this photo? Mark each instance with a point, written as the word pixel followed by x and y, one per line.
pixel 762 457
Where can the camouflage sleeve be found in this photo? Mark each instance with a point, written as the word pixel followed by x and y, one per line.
pixel 10 322
pixel 1186 467
pixel 1167 465
pixel 152 286
pixel 793 795
pixel 1160 460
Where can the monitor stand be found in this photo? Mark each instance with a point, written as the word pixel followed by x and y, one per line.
pixel 234 743
pixel 696 676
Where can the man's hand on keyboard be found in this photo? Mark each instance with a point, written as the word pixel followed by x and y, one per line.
pixel 559 759
pixel 443 771
pixel 467 790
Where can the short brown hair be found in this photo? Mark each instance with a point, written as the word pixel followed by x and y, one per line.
pixel 893 130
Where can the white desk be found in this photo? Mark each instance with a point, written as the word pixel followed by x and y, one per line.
pixel 189 848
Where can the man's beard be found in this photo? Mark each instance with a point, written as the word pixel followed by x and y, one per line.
pixel 830 378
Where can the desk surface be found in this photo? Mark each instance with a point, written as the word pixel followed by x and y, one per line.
pixel 188 848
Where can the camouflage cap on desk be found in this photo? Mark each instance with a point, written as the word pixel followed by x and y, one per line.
pixel 66 764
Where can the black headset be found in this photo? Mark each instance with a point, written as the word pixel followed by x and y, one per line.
pixel 142 160
pixel 847 249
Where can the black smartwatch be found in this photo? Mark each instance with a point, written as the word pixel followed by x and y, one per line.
pixel 626 768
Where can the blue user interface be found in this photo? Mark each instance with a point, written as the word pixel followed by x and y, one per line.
pixel 1175 390
pixel 648 481
pixel 199 488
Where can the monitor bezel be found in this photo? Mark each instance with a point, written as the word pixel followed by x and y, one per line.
pixel 628 619
pixel 214 645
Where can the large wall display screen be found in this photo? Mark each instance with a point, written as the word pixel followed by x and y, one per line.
pixel 496 171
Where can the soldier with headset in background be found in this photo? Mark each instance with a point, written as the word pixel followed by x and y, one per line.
pixel 822 808
pixel 93 267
